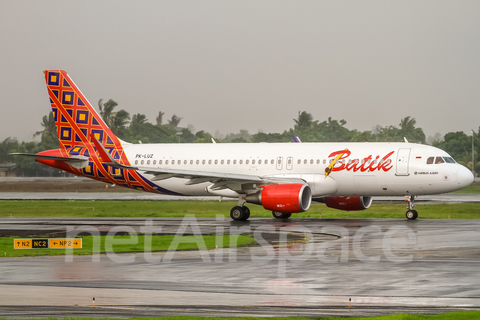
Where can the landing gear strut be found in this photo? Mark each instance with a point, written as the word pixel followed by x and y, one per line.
pixel 411 214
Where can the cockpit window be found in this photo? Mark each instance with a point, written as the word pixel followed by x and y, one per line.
pixel 439 160
pixel 449 160
pixel 430 160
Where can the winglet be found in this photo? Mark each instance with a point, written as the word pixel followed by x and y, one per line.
pixel 296 139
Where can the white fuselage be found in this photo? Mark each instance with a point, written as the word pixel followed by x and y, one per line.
pixel 366 169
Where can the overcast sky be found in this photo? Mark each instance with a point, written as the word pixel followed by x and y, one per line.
pixel 231 65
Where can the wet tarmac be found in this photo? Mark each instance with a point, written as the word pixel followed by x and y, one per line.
pixel 385 266
pixel 128 196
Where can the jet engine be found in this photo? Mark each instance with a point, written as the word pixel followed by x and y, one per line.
pixel 348 203
pixel 291 198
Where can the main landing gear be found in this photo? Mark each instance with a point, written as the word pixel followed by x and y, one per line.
pixel 411 214
pixel 239 213
pixel 281 215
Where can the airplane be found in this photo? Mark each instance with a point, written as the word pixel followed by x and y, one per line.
pixel 282 177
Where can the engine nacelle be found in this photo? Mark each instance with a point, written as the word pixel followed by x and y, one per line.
pixel 348 203
pixel 290 198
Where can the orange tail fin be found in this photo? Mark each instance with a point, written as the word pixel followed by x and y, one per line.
pixel 75 118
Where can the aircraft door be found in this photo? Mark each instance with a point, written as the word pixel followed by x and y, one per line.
pixel 402 162
pixel 279 163
pixel 289 163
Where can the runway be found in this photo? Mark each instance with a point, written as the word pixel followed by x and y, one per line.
pixel 129 196
pixel 384 266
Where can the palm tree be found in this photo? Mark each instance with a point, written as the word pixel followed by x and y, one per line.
pixel 408 130
pixel 305 120
pixel 116 121
pixel 407 125
pixel 175 121
pixel 159 118
pixel 7 146
pixel 106 111
pixel 49 133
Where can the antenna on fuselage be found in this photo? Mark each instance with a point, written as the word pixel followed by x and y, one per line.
pixel 406 141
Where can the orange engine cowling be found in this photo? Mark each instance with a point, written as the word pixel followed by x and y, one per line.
pixel 291 198
pixel 348 203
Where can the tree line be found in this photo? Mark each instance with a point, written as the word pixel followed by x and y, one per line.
pixel 137 129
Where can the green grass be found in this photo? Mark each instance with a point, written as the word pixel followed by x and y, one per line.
pixel 210 209
pixel 159 243
pixel 464 315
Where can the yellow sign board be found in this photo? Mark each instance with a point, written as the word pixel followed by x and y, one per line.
pixel 73 243
pixel 22 243
pixel 66 243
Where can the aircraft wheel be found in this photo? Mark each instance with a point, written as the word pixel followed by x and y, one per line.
pixel 237 213
pixel 247 212
pixel 281 215
pixel 411 214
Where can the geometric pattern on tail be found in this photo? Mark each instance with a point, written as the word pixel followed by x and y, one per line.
pixel 76 121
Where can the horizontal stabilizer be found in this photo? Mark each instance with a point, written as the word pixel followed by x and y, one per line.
pixel 78 162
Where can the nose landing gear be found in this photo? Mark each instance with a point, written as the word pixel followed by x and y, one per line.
pixel 411 214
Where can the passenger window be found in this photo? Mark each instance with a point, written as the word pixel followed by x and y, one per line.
pixel 173 161
pixel 191 161
pixel 246 161
pixel 318 161
pixel 136 161
pixel 154 162
pixel 184 161
pixel 160 161
pixel 272 161
pixel 228 161
pixel 289 160
pixel 253 161
pixel 166 161
pixel 324 161
pixel 198 162
pixel 216 161
pixel 305 161
pixel 209 161
pixel 203 161
pixel 260 161
pixel 299 161
pixel 222 162
pixel 439 160
pixel 148 161
pixel 142 162
pixel 234 161
pixel 311 161
pixel 241 161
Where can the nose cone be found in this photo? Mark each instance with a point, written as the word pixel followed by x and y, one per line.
pixel 464 177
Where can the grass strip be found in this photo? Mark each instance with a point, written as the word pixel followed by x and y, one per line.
pixel 464 315
pixel 210 209
pixel 127 243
